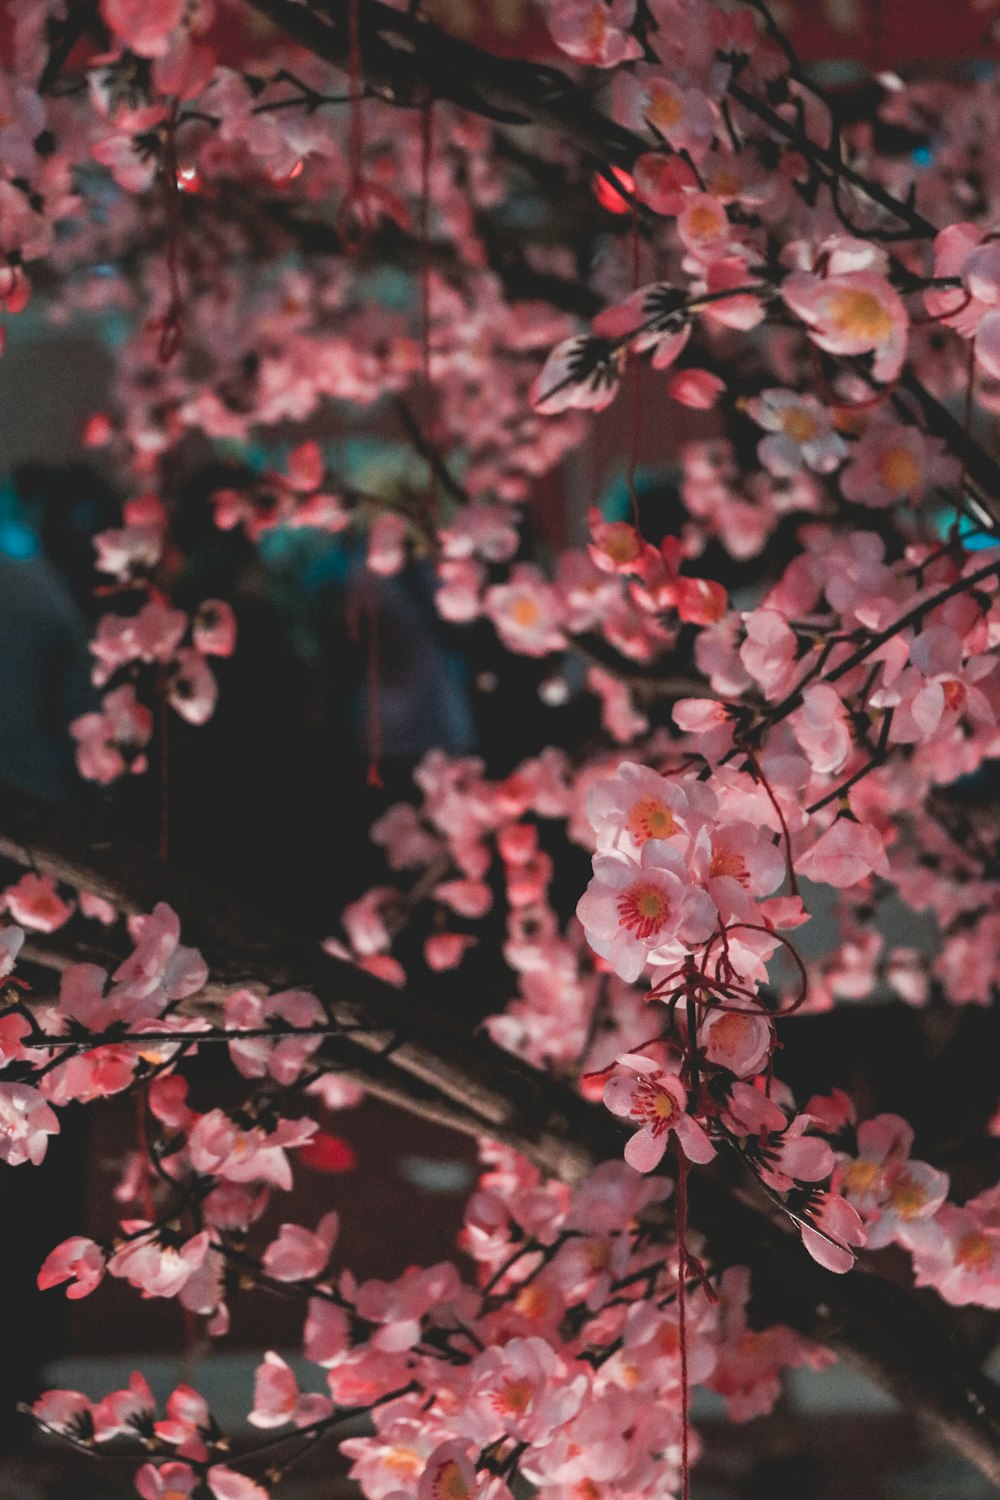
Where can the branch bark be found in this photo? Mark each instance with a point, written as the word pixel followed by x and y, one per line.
pixel 401 1049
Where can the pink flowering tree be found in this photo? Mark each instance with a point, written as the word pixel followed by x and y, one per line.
pixel 654 209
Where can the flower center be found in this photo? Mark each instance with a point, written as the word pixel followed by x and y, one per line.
pixel 532 1302
pixel 861 314
pixel 898 470
pixel 907 1197
pixel 954 694
pixel 665 109
pixel 861 1176
pixel 704 222
pixel 643 908
pixel 669 1340
pixel 449 1482
pixel 525 611
pixel 404 1461
pixel 598 1253
pixel 653 1104
pixel 650 818
pixel 726 183
pixel 801 426
pixel 620 543
pixel 514 1398
pixel 975 1251
pixel 728 862
pixel 728 1034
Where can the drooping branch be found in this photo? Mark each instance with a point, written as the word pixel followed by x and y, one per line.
pixel 400 1048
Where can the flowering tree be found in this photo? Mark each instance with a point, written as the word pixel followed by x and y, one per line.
pixel 676 194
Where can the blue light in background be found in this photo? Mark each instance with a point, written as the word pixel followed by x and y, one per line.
pixel 16 540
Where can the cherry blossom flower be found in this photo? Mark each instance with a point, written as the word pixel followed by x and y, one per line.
pixel 595 32
pixel 26 1122
pixel 642 910
pixel 890 463
pixel 684 117
pixel 77 1260
pixel 277 1398
pixel 800 433
pixel 523 1391
pixel 856 312
pixel 35 902
pixel 845 854
pixel 645 1092
pixel 299 1254
pixel 155 1268
pixel 526 612
pixel 888 1189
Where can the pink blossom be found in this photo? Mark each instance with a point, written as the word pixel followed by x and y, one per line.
pixel 300 1254
pixel 65 1411
pixel 11 942
pixel 281 1057
pixel 277 1398
pixel 35 902
pixel 684 117
pixel 128 1412
pixel 646 1093
pixel 169 1481
pixel 523 1390
pixel 192 689
pixel 219 1147
pixel 445 950
pixel 111 742
pixel 891 463
pixel 155 1268
pixel 78 1261
pixel 846 853
pixel 399 1306
pixel 800 433
pixel 129 552
pixel 703 227
pixel 856 312
pixel 214 628
pixel 526 612
pixel 822 728
pixel 595 32
pixel 769 651
pixel 831 1231
pixel 226 1484
pixel 958 1254
pixel 737 1040
pixel 26 1122
pixel 699 389
pixel 643 910
pixel 448 1474
pixel 888 1189
pixel 160 969
pixel 144 26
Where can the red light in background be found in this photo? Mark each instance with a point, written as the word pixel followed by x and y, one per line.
pixel 606 195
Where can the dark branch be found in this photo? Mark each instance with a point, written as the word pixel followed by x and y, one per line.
pixel 472 1086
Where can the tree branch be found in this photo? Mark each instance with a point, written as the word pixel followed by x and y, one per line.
pixel 402 1050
